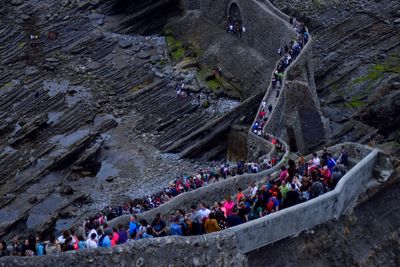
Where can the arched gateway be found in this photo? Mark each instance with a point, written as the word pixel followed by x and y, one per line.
pixel 234 14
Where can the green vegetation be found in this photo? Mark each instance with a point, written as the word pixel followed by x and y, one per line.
pixel 373 76
pixel 206 76
pixel 176 50
pixel 141 85
pixel 22 45
pixel 205 104
pixel 213 84
pixel 136 88
pixel 6 85
pixel 355 104
pixel 395 144
pixel 390 65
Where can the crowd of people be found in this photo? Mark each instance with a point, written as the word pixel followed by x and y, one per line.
pixel 300 181
pixel 288 54
pixel 235 28
pixel 295 183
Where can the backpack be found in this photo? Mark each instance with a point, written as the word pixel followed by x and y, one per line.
pixel 100 243
pixel 317 189
pixel 41 249
pixel 270 204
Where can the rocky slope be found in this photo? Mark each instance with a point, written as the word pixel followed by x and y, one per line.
pixel 357 66
pixel 84 110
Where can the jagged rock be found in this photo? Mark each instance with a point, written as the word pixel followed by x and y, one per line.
pixel 110 179
pixel 33 200
pixel 95 2
pixel 51 60
pixel 65 3
pixel 31 71
pixel 220 92
pixel 17 2
pixel 25 17
pixel 383 113
pixel 83 3
pixel 49 67
pixel 186 64
pixel 336 99
pixel 143 55
pixel 66 190
pixel 65 214
pixel 124 44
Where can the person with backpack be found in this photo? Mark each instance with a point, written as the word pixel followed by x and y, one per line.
pixel 81 243
pixel 104 240
pixel 196 221
pixel 343 158
pixel 53 246
pixel 123 236
pixel 175 228
pixel 40 247
pixel 317 187
pixel 180 214
pixel 273 203
pixel 133 227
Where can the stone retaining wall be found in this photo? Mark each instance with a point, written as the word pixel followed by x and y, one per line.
pixel 217 250
pixel 227 247
pixel 293 220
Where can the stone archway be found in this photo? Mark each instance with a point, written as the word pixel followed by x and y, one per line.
pixel 234 14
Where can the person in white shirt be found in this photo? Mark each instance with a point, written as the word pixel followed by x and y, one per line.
pixel 93 231
pixel 203 211
pixel 253 190
pixel 316 161
pixel 91 243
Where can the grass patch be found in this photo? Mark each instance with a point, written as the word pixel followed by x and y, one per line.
pixel 22 45
pixel 390 65
pixel 395 144
pixel 6 85
pixel 355 104
pixel 175 47
pixel 136 88
pixel 141 85
pixel 203 76
pixel 213 84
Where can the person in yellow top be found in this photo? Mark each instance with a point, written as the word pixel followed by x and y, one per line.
pixel 211 224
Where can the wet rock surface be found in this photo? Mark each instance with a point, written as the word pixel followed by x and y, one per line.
pixel 84 112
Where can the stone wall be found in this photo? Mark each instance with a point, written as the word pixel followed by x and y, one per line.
pixel 297 116
pixel 293 220
pixel 208 250
pixel 237 143
pixel 226 248
pixel 217 191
